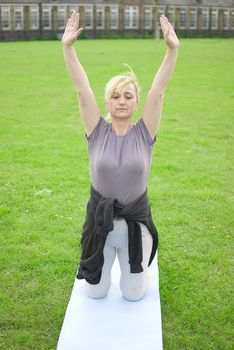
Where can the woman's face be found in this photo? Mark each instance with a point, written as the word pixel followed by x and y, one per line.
pixel 124 104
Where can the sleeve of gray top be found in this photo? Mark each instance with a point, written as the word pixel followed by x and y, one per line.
pixel 94 134
pixel 145 132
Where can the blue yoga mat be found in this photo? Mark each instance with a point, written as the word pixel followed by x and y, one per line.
pixel 113 323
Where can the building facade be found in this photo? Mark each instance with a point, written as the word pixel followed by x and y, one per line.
pixel 35 19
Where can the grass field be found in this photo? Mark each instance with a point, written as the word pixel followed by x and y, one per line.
pixel 44 186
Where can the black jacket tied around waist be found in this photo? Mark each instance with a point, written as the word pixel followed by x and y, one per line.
pixel 100 214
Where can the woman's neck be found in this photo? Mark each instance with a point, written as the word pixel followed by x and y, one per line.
pixel 121 126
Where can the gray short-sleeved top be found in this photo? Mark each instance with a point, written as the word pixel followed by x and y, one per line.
pixel 120 165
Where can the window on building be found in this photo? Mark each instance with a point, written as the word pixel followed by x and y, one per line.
pixel 135 17
pixel 225 19
pixel 19 20
pixel 148 17
pixel 100 17
pixel 5 17
pixel 193 18
pixel 34 17
pixel 114 17
pixel 214 19
pixel 205 18
pixel 160 11
pixel 127 18
pixel 88 18
pixel 182 19
pixel 61 13
pixel 131 17
pixel 232 19
pixel 46 17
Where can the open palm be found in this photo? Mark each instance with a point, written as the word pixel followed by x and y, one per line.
pixel 72 30
pixel 169 33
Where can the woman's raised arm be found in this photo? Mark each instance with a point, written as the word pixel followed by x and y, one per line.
pixel 154 101
pixel 89 110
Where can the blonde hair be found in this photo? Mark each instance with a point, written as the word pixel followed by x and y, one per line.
pixel 118 84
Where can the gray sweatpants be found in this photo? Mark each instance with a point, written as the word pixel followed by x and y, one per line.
pixel 132 285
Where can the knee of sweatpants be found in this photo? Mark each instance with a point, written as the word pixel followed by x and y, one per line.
pixel 133 292
pixel 97 291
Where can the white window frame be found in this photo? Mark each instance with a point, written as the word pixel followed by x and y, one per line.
pixel 148 12
pixel 34 10
pixel 215 12
pixel 61 11
pixel 19 9
pixel 193 11
pixel 226 13
pixel 88 10
pixel 131 10
pixel 100 9
pixel 47 10
pixel 5 9
pixel 114 10
pixel 182 11
pixel 205 15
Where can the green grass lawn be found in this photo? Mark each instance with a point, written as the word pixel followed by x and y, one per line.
pixel 44 186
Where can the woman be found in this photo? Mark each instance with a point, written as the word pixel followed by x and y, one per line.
pixel 118 218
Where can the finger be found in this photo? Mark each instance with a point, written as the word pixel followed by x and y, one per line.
pixel 79 31
pixel 171 26
pixel 166 23
pixel 73 18
pixel 162 23
pixel 68 22
pixel 76 21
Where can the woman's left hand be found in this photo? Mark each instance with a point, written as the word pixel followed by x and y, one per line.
pixel 169 33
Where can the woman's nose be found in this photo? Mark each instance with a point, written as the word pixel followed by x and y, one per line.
pixel 122 100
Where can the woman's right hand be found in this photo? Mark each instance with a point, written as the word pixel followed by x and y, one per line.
pixel 72 30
